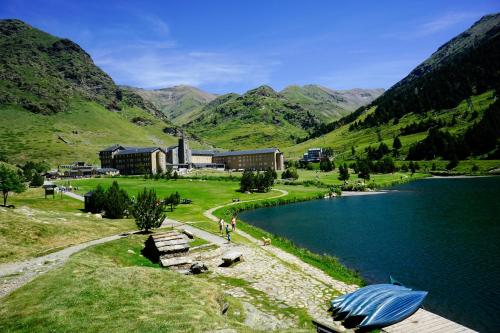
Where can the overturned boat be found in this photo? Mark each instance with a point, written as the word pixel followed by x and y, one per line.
pixel 376 305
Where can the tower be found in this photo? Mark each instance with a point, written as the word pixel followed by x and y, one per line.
pixel 184 151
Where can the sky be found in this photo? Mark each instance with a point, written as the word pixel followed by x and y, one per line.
pixel 232 46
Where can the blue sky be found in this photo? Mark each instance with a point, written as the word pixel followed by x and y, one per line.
pixel 232 46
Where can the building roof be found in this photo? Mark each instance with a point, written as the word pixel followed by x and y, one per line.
pixel 247 152
pixel 137 150
pixel 202 152
pixel 112 148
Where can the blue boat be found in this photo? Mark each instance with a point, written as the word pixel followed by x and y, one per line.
pixel 370 295
pixel 394 309
pixel 368 305
pixel 338 302
pixel 346 307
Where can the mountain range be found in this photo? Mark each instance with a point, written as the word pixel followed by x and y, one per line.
pixel 57 105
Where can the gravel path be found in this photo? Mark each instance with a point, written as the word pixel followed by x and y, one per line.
pixel 74 196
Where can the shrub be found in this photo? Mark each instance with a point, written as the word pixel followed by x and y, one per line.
pixel 37 180
pixel 290 173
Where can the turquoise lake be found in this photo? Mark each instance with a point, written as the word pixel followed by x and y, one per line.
pixel 439 235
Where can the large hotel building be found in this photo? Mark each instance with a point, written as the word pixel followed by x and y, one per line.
pixel 134 160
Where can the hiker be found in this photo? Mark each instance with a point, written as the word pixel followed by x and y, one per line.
pixel 228 233
pixel 233 223
pixel 221 226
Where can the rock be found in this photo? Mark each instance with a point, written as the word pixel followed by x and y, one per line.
pixel 98 216
pixel 198 268
pixel 131 251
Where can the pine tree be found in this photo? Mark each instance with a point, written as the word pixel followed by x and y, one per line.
pixel 117 201
pixel 396 144
pixel 148 211
pixel 247 182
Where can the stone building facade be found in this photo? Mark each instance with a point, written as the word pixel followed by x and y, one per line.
pixel 257 159
pixel 133 160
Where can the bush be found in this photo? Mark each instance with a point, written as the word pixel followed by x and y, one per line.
pixel 148 210
pixel 290 173
pixel 37 180
pixel 326 165
pixel 117 202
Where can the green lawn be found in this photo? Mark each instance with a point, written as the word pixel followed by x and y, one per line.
pixel 205 194
pixel 39 226
pixel 112 288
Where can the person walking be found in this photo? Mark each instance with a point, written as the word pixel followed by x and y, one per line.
pixel 228 233
pixel 221 226
pixel 233 223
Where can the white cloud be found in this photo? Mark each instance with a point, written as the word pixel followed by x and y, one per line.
pixel 443 22
pixel 157 24
pixel 159 69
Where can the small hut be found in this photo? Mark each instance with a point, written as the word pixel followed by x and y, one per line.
pixel 87 198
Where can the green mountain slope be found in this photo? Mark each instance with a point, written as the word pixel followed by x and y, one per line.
pixel 178 103
pixel 455 91
pixel 259 118
pixel 56 105
pixel 466 65
pixel 328 104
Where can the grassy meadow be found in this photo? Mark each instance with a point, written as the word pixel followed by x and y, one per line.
pixel 39 226
pixel 86 128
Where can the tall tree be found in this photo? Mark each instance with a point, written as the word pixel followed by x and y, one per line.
pixel 10 181
pixel 148 211
pixel 117 201
pixel 343 172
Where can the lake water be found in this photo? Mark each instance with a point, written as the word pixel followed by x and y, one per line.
pixel 439 235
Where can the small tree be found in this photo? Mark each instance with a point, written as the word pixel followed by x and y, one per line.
pixel 10 181
pixel 37 180
pixel 173 200
pixel 148 210
pixel 343 173
pixel 411 167
pixel 396 144
pixel 326 165
pixel 363 170
pixel 247 182
pixel 175 176
pixel 117 202
pixel 290 173
pixel 97 201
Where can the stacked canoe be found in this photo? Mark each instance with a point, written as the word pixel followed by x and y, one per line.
pixel 376 306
